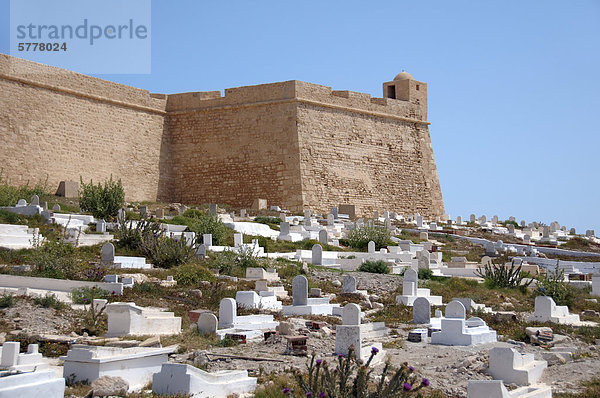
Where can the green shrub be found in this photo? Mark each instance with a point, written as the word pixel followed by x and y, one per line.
pixel 376 267
pixel 103 201
pixel 165 252
pixel 85 295
pixel 307 244
pixel 203 223
pixel 227 341
pixel 194 213
pixel 10 195
pixel 130 236
pixel 268 220
pixel 552 284
pixel 50 301
pixel 192 274
pixel 425 273
pixel 55 259
pixel 7 217
pixel 235 263
pixel 359 238
pixel 514 223
pixel 145 287
pixel 132 215
pixel 147 239
pixel 224 262
pixel 499 276
pixel 7 301
pixel 288 269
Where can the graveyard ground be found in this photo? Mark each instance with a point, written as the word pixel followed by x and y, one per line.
pixel 55 326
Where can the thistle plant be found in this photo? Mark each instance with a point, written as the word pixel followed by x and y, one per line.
pixel 353 379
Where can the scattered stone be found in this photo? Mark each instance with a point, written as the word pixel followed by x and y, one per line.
pixel 286 328
pixel 109 386
pixel 505 316
pixel 151 342
pixel 590 313
pixel 123 343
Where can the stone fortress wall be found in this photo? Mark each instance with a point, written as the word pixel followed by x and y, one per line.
pixel 61 125
pixel 296 144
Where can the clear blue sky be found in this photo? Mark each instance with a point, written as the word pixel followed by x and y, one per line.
pixel 514 93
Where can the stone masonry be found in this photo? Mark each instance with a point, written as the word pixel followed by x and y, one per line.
pixel 298 145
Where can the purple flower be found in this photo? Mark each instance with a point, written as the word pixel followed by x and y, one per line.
pixel 319 362
pixel 308 394
pixel 374 350
pixel 411 368
pixel 340 355
pixel 285 390
pixel 425 382
pixel 407 387
pixel 322 395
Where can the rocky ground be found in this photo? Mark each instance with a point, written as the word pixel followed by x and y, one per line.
pixel 377 284
pixel 448 368
pixel 29 318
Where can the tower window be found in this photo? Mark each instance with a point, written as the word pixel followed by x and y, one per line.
pixel 391 92
pixel 418 87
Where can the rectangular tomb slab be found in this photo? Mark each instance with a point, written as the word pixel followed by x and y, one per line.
pixel 136 365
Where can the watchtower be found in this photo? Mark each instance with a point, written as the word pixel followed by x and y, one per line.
pixel 404 87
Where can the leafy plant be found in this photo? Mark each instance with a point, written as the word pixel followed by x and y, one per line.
pixel 165 252
pixel 359 238
pixel 203 223
pixel 103 201
pixel 425 273
pixel 552 284
pixel 50 301
pixel 228 341
pixel 235 263
pixel 10 195
pixel 7 217
pixel 268 220
pixel 7 301
pixel 85 295
pixel 353 379
pixel 192 274
pixel 148 239
pixel 376 267
pixel 130 234
pixel 499 276
pixel 55 259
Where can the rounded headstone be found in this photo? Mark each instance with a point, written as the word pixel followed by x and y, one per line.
pixel 456 310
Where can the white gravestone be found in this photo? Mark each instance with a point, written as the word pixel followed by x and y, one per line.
pixel 323 236
pixel 300 290
pixel 349 284
pixel 371 247
pixel 207 323
pixel 108 253
pixel 421 311
pixel 317 254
